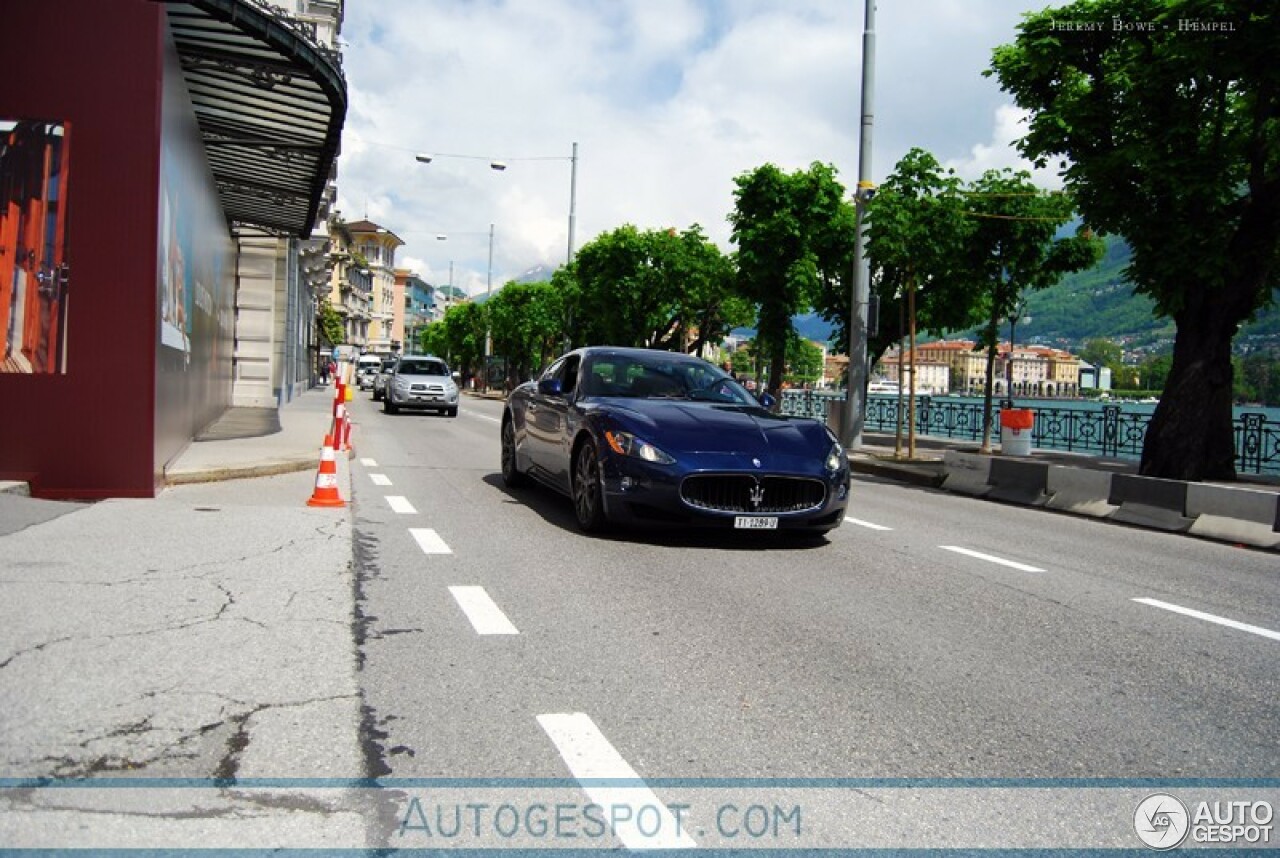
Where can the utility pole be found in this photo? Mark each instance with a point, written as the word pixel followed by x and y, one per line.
pixel 856 392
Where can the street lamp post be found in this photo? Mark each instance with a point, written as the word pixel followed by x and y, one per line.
pixel 500 165
pixel 855 395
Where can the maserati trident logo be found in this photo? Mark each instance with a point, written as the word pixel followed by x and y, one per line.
pixel 756 496
pixel 755 462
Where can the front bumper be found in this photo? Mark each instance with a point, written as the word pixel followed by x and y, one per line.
pixel 640 493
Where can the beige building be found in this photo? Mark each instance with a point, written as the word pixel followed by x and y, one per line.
pixel 377 245
pixel 350 285
pixel 933 376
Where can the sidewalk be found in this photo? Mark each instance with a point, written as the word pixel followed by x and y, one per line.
pixel 205 634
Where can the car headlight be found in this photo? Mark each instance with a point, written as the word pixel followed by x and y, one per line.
pixel 626 444
pixel 835 458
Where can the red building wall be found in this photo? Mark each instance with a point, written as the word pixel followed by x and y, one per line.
pixel 90 429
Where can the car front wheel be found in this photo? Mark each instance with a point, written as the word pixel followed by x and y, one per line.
pixel 588 499
pixel 511 475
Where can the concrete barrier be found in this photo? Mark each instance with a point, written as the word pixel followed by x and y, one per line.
pixel 966 473
pixel 1150 502
pixel 1019 482
pixel 1081 491
pixel 1247 516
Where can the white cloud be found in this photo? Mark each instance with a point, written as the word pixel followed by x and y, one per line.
pixel 668 99
pixel 1000 152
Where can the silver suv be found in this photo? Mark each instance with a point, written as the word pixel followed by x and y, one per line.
pixel 421 381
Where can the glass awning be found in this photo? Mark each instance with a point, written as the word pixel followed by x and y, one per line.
pixel 270 102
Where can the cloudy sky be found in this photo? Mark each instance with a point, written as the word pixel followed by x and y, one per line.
pixel 668 101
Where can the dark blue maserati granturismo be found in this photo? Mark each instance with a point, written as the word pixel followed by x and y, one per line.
pixel 637 436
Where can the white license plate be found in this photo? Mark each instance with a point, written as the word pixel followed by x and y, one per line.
pixel 755 522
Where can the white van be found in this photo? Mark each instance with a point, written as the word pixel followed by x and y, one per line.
pixel 367 367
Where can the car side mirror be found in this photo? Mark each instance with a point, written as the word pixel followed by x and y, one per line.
pixel 457 376
pixel 767 401
pixel 550 387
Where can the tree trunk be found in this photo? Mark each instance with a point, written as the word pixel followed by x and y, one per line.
pixel 1190 436
pixel 993 331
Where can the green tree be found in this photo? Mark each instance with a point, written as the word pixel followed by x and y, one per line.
pixel 1100 351
pixel 916 241
pixel 654 288
pixel 1169 138
pixel 804 361
pixel 916 236
pixel 794 234
pixel 459 337
pixel 330 323
pixel 1154 371
pixel 1012 248
pixel 526 320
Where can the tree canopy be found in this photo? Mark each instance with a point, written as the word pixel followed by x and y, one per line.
pixel 795 237
pixel 1168 135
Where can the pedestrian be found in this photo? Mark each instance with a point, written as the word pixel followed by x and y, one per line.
pixel 324 372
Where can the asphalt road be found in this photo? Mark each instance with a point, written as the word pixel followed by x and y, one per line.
pixel 932 636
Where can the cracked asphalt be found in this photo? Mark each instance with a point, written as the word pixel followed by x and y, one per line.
pixel 204 635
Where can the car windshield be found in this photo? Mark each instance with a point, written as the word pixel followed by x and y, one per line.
pixel 423 367
pixel 658 377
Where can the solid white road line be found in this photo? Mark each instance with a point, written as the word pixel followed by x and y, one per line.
pixel 485 615
pixel 400 504
pixel 429 541
pixel 369 463
pixel 380 479
pixel 1201 615
pixel 868 525
pixel 978 554
pixel 640 820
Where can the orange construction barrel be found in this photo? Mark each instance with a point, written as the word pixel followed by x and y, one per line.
pixel 1015 431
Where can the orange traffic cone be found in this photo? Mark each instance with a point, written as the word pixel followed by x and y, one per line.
pixel 326 492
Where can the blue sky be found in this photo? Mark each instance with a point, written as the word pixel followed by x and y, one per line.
pixel 668 100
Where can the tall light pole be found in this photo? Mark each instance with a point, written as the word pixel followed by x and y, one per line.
pixel 856 393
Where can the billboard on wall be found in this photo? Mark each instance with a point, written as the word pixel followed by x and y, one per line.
pixel 34 268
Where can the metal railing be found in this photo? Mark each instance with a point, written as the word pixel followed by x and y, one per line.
pixel 1101 430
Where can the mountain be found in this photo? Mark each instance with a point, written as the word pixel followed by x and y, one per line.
pixel 1100 303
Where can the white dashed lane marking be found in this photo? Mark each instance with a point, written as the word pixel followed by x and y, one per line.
pixel 369 463
pixel 868 525
pixel 1210 618
pixel 485 615
pixel 400 505
pixel 380 479
pixel 429 541
pixel 483 417
pixel 642 821
pixel 1012 564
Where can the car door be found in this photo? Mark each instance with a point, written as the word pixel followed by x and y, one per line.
pixel 548 420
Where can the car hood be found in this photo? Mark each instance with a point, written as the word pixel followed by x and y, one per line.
pixel 680 426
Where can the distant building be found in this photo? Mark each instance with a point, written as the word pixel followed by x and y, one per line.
pixel 933 377
pixel 419 306
pixel 378 245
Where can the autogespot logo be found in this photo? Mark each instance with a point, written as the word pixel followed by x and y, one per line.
pixel 1161 821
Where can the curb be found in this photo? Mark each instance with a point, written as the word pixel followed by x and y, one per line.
pixel 1233 514
pixel 14 487
pixel 215 475
pixel 925 473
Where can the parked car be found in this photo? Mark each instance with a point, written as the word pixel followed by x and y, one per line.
pixel 420 381
pixel 366 368
pixel 651 437
pixel 380 379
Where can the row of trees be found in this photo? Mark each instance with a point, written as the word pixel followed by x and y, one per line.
pixel 1256 376
pixel 1167 136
